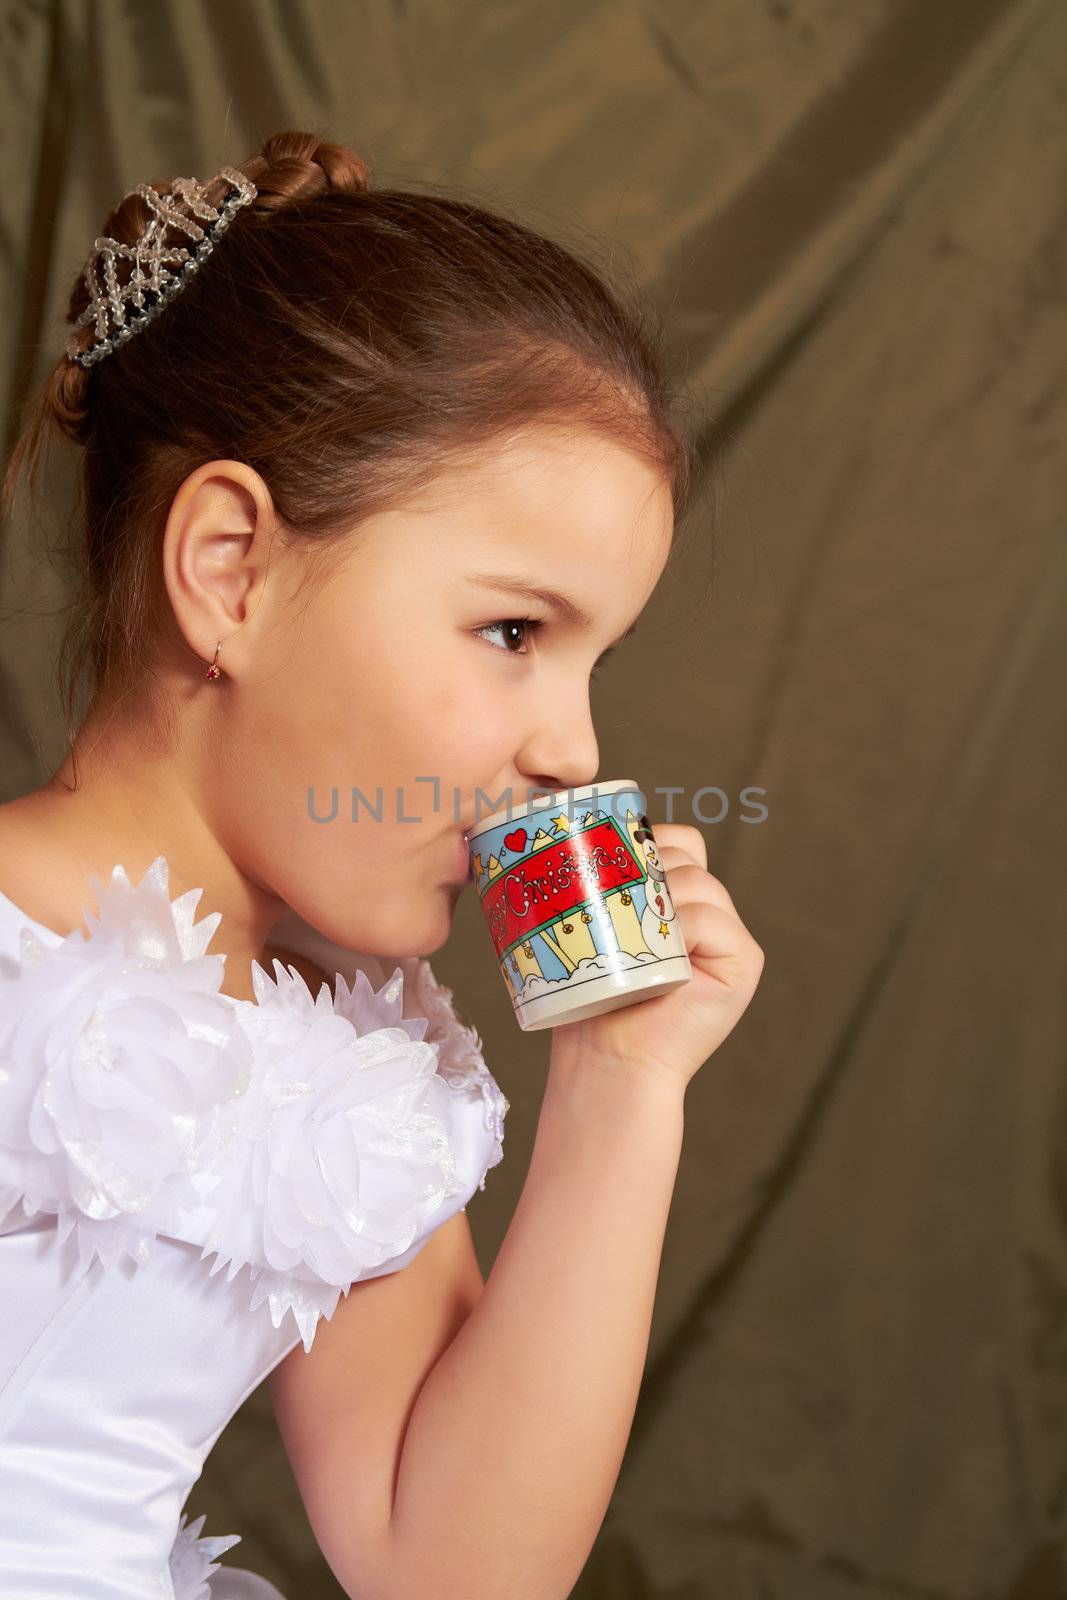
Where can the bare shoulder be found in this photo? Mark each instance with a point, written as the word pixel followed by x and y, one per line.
pixel 343 1407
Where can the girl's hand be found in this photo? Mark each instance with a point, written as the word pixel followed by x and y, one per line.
pixel 673 1034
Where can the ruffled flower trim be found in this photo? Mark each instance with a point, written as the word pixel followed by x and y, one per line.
pixel 312 1139
pixel 347 1148
pixel 192 1559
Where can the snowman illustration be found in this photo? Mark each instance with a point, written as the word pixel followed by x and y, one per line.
pixel 659 911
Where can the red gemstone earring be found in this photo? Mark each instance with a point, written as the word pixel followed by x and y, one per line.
pixel 215 671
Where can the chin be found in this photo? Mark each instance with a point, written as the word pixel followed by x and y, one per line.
pixel 425 928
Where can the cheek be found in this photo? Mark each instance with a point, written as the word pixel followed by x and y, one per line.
pixel 306 717
pixel 347 701
pixel 469 729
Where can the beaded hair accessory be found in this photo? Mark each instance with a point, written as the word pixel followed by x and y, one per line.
pixel 131 306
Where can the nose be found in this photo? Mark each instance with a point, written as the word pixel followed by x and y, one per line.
pixel 561 752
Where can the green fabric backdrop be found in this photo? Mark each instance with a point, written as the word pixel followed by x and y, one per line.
pixel 855 220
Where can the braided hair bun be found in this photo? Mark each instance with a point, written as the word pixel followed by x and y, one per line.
pixel 290 167
pixel 301 166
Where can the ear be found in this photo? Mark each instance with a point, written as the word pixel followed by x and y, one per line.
pixel 215 546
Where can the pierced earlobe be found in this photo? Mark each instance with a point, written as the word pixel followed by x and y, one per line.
pixel 215 671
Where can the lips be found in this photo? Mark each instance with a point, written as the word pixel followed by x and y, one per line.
pixel 463 859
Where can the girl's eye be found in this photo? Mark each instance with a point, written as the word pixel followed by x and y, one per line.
pixel 508 624
pixel 530 624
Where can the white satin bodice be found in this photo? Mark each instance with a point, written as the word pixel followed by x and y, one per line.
pixel 115 1386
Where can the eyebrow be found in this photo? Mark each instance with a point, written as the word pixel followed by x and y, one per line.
pixel 511 584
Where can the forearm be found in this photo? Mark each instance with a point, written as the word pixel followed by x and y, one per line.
pixel 516 1439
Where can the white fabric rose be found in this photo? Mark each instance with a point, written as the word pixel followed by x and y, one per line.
pixel 120 1069
pixel 345 1152
pixel 459 1047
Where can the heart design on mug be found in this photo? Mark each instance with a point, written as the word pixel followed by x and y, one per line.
pixel 516 841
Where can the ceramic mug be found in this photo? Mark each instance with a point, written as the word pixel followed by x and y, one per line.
pixel 577 904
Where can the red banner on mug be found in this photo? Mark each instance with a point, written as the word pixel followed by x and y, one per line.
pixel 559 878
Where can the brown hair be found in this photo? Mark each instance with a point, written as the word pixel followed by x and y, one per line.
pixel 347 343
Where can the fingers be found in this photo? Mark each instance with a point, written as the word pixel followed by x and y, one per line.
pixel 681 836
pixel 721 944
pixel 688 883
pixel 683 853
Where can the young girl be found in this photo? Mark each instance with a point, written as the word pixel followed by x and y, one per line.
pixel 372 480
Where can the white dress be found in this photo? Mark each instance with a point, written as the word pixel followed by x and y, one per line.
pixel 188 1181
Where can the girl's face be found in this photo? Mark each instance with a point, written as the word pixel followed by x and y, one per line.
pixel 375 710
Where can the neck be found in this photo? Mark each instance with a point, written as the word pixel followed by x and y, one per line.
pixel 130 805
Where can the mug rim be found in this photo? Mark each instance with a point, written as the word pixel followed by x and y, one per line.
pixel 547 801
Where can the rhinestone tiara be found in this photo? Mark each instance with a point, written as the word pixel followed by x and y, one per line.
pixel 121 310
